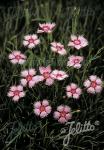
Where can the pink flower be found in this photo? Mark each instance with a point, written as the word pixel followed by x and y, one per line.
pixel 75 61
pixel 63 114
pixel 93 84
pixel 46 27
pixel 16 57
pixel 73 90
pixel 78 42
pixel 29 78
pixel 46 75
pixel 42 108
pixel 58 48
pixel 59 75
pixel 16 92
pixel 31 41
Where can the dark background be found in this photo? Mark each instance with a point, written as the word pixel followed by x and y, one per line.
pixel 8 115
pixel 93 3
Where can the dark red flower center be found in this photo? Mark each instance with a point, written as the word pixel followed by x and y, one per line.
pixel 46 75
pixel 77 42
pixel 93 84
pixel 73 91
pixel 29 78
pixel 16 93
pixel 59 75
pixel 76 61
pixel 42 108
pixel 59 48
pixel 31 40
pixel 17 57
pixel 63 114
pixel 46 28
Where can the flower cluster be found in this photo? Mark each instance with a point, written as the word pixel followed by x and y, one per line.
pixel 30 79
pixel 47 75
pixel 43 109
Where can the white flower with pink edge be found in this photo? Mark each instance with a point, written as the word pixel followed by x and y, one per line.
pixel 16 92
pixel 46 27
pixel 31 41
pixel 93 84
pixel 42 108
pixel 59 75
pixel 46 75
pixel 75 61
pixel 29 78
pixel 16 57
pixel 78 42
pixel 63 114
pixel 58 48
pixel 73 91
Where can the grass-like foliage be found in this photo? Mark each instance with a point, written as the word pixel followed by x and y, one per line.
pixel 20 128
